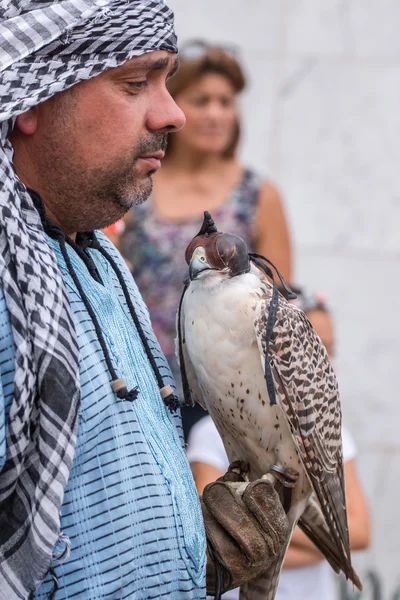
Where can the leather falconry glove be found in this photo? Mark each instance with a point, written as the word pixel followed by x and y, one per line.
pixel 246 527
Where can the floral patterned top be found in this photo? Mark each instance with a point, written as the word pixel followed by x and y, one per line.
pixel 156 249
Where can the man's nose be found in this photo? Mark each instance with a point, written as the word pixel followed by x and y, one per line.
pixel 165 115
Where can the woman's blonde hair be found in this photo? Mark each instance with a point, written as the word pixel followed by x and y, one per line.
pixel 211 60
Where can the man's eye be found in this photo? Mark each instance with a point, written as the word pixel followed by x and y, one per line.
pixel 137 84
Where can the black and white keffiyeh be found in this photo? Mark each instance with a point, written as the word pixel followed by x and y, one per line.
pixel 46 47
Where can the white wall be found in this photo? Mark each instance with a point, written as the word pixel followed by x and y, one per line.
pixel 322 118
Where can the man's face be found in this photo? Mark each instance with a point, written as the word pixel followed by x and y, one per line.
pixel 96 146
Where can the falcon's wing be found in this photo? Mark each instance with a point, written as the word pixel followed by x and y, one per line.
pixel 185 364
pixel 308 395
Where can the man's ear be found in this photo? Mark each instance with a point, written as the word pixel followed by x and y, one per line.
pixel 27 122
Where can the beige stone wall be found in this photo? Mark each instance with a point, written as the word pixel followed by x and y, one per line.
pixel 322 118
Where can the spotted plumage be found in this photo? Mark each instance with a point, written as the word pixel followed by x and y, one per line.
pixel 223 322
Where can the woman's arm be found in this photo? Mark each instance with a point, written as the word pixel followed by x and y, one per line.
pixel 301 551
pixel 357 508
pixel 272 232
pixel 204 474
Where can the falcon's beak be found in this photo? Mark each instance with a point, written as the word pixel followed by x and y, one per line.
pixel 197 266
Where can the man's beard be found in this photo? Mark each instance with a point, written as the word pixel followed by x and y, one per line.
pixel 84 199
pixel 123 183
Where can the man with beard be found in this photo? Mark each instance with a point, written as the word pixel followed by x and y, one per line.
pixel 96 496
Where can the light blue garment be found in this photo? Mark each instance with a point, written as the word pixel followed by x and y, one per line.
pixel 130 508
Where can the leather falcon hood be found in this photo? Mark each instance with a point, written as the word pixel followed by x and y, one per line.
pixel 222 249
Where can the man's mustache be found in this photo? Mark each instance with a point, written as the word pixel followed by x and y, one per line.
pixel 154 144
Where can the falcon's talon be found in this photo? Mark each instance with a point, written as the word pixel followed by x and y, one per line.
pixel 237 472
pixel 239 467
pixel 287 477
pixel 231 477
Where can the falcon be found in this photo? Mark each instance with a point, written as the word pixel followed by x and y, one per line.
pixel 253 360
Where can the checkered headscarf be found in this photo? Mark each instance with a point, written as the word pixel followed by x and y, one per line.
pixel 46 47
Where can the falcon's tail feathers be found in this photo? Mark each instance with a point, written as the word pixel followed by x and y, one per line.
pixel 335 518
pixel 313 524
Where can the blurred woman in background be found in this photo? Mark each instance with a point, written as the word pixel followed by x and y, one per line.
pixel 200 172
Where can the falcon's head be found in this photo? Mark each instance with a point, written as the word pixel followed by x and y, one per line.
pixel 211 250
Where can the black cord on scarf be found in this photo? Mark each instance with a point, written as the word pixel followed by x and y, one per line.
pixel 273 308
pixel 56 585
pixel 118 385
pixel 166 391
